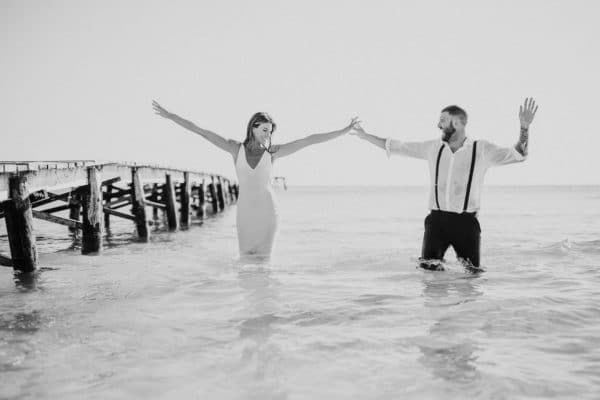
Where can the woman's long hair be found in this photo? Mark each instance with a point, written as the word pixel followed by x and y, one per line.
pixel 255 121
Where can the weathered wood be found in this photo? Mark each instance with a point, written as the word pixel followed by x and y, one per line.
pixel 51 198
pixel 107 197
pixel 71 223
pixel 220 196
pixel 138 208
pixel 213 196
pixel 171 210
pixel 201 200
pixel 119 192
pixel 119 214
pixel 19 226
pixel 5 261
pixel 124 199
pixel 91 238
pixel 153 198
pixel 74 210
pixel 56 209
pixel 155 205
pixel 223 184
pixel 111 181
pixel 185 200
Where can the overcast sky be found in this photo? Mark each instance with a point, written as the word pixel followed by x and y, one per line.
pixel 77 79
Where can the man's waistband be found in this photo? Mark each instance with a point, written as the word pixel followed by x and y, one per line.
pixel 454 214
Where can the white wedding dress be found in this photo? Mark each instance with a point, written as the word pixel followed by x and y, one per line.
pixel 257 217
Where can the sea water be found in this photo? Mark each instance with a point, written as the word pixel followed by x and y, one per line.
pixel 340 311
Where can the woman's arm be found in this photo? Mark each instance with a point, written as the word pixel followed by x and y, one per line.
pixel 231 146
pixel 286 149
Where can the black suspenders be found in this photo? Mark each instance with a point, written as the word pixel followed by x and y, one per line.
pixel 470 176
pixel 437 174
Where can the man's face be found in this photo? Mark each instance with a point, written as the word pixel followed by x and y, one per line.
pixel 446 125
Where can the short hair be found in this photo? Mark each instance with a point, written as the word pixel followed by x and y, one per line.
pixel 456 111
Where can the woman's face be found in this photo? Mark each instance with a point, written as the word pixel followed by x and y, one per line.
pixel 262 133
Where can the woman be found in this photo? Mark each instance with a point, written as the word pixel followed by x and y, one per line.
pixel 257 217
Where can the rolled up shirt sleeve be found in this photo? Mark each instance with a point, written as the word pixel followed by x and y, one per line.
pixel 409 149
pixel 497 155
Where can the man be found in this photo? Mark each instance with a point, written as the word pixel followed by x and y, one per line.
pixel 457 165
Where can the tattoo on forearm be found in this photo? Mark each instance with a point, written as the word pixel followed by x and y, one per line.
pixel 523 139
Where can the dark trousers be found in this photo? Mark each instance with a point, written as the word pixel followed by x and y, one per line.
pixel 444 229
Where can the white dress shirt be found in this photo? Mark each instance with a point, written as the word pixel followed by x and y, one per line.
pixel 454 169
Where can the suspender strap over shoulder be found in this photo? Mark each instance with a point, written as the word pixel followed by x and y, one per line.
pixel 437 174
pixel 470 177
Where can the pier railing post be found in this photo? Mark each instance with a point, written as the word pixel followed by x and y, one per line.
pixel 170 204
pixel 185 200
pixel 91 238
pixel 19 226
pixel 138 205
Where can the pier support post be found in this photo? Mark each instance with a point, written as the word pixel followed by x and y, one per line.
pixel 138 204
pixel 91 238
pixel 220 194
pixel 226 192
pixel 74 209
pixel 236 192
pixel 19 226
pixel 213 195
pixel 185 200
pixel 171 210
pixel 201 200
pixel 106 201
pixel 155 199
pixel 229 192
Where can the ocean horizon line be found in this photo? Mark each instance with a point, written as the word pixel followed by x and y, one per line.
pixel 541 185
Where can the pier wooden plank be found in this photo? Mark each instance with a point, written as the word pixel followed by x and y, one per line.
pixel 57 220
pixel 155 204
pixel 5 261
pixel 119 214
pixel 56 209
pixel 112 204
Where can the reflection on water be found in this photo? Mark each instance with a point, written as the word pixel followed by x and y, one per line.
pixel 261 354
pixel 451 347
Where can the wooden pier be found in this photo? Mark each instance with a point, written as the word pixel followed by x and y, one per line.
pixel 94 192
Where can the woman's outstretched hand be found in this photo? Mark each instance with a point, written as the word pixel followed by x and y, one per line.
pixel 357 130
pixel 352 126
pixel 159 110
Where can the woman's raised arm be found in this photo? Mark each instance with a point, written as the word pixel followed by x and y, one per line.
pixel 286 149
pixel 229 145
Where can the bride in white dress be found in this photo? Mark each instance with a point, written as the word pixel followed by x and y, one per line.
pixel 257 218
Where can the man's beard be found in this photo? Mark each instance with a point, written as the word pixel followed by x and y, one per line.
pixel 448 132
